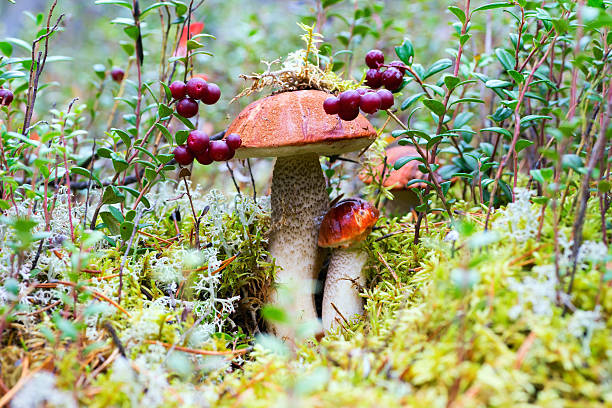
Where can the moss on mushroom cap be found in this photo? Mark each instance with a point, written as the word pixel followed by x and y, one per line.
pixel 347 222
pixel 292 123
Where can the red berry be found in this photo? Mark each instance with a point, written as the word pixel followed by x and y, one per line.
pixel 233 140
pixel 187 107
pixel 373 78
pixel 374 58
pixel 117 74
pixel 348 113
pixel 349 100
pixel 183 156
pixel 178 89
pixel 331 106
pixel 204 157
pixel 6 97
pixel 386 98
pixel 211 94
pixel 197 141
pixel 220 151
pixel 392 78
pixel 196 88
pixel 370 102
pixel 399 65
pixel 361 91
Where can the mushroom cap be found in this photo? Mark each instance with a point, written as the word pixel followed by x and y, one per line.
pixel 293 123
pixel 397 179
pixel 347 222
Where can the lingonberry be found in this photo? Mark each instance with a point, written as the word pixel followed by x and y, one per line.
pixel 373 78
pixel 399 65
pixel 220 151
pixel 348 113
pixel 233 140
pixel 349 100
pixel 392 78
pixel 374 58
pixel 196 88
pixel 183 156
pixel 211 94
pixel 187 107
pixel 386 98
pixel 370 102
pixel 178 89
pixel 197 141
pixel 6 97
pixel 117 74
pixel 331 105
pixel 204 157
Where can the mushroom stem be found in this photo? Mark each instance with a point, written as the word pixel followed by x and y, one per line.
pixel 344 279
pixel 299 201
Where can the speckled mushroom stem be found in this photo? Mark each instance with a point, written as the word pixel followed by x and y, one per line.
pixel 299 202
pixel 344 279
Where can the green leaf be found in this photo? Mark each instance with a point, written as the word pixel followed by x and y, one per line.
pixel 112 195
pixel 502 131
pixel 328 3
pixel 399 163
pixel 517 76
pixel 134 193
pixel 497 83
pixel 491 6
pixel 104 152
pixel 435 106
pixel 181 137
pixel 411 99
pixel 126 229
pixel 125 136
pixel 111 223
pixel 458 12
pixel 185 121
pixel 521 144
pixel 119 163
pixel 572 161
pixel 530 118
pixel 165 111
pixel 6 48
pixel 84 172
pixel 154 6
pixel 405 52
pixel 467 100
pixel 122 3
pixel 451 82
pixel 505 58
pixel 100 70
pixel 438 66
pixel 274 314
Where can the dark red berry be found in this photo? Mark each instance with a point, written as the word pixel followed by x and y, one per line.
pixel 211 94
pixel 196 88
pixel 204 157
pixel 220 151
pixel 6 97
pixel 117 74
pixel 361 91
pixel 233 140
pixel 399 65
pixel 183 156
pixel 349 100
pixel 370 102
pixel 187 107
pixel 348 113
pixel 178 89
pixel 386 98
pixel 197 141
pixel 373 78
pixel 374 58
pixel 392 78
pixel 331 106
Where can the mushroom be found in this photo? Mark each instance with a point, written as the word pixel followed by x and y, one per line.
pixel 293 127
pixel 405 199
pixel 343 228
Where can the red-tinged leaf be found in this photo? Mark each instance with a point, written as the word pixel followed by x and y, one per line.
pixel 195 28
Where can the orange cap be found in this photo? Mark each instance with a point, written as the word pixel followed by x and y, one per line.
pixel 347 222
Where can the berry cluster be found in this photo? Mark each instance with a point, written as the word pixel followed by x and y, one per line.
pixel 188 94
pixel 204 150
pixel 391 77
pixel 348 103
pixel 6 97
